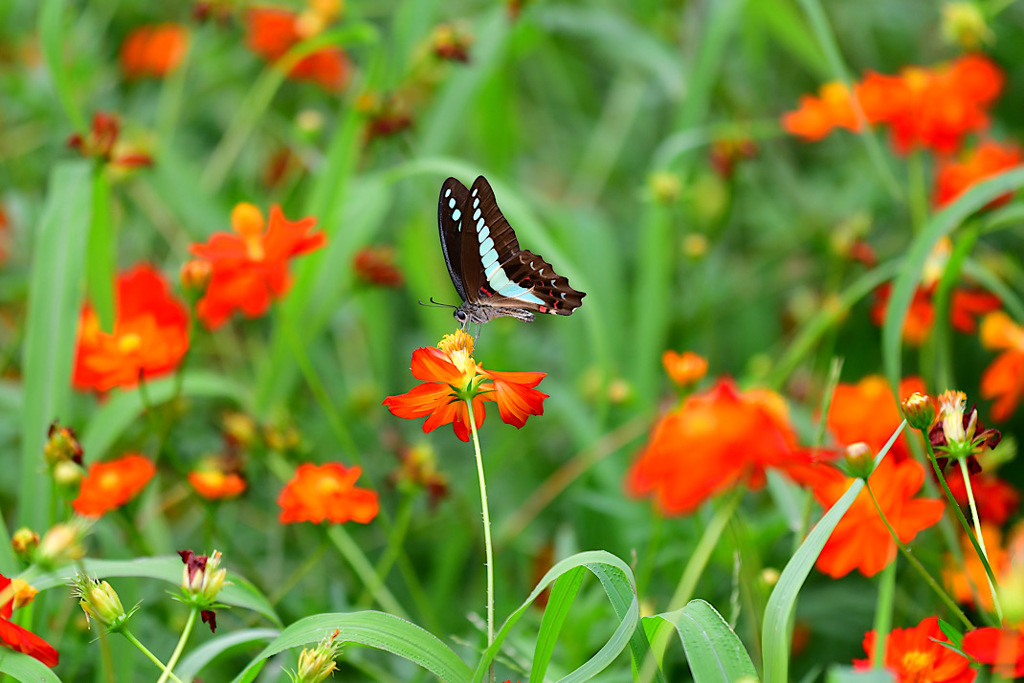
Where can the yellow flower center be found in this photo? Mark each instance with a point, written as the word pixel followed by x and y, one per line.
pixel 916 666
pixel 129 343
pixel 459 348
pixel 248 222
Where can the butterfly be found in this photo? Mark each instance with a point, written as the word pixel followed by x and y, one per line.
pixel 492 274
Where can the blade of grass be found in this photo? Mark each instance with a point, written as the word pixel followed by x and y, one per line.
pixel 101 262
pixel 52 39
pixel 54 295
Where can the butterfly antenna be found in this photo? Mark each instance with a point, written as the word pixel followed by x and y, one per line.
pixel 435 304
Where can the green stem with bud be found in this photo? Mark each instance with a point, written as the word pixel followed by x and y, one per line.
pixel 917 564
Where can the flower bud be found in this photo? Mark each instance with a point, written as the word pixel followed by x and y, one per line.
pixel 858 461
pixel 62 543
pixel 316 664
pixel 918 410
pixel 684 368
pixel 24 541
pixel 665 187
pixel 195 275
pixel 67 475
pixel 100 601
pixel 964 24
pixel 62 445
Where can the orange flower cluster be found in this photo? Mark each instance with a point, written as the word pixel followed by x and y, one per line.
pixel 149 339
pixel 272 32
pixel 250 268
pixel 932 108
pixel 917 654
pixel 109 485
pixel 17 593
pixel 969 584
pixel 861 540
pixel 684 368
pixel 866 412
pixel 995 499
pixel 153 50
pixel 983 162
pixel 215 484
pixel 326 492
pixel 451 377
pixel 1003 380
pixel 715 440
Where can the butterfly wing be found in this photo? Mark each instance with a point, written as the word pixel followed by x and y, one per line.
pixel 451 206
pixel 497 272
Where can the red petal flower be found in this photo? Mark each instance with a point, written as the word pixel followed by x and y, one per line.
pixel 149 338
pixel 18 638
pixel 860 540
pixel 326 492
pixel 996 499
pixel 1003 649
pixel 450 376
pixel 915 655
pixel 866 412
pixel 1003 380
pixel 250 267
pixel 986 160
pixel 715 440
pixel 273 32
pixel 109 485
pixel 155 50
pixel 815 118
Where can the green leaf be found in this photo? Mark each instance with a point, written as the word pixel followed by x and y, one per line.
pixel 123 408
pixel 778 614
pixel 239 593
pixel 563 593
pixel 55 292
pixel 25 668
pixel 847 674
pixel 940 225
pixel 713 650
pixel 193 662
pixel 51 36
pixel 374 629
pixel 101 263
pixel 617 580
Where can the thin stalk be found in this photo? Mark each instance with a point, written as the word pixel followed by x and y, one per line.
pixel 180 647
pixel 488 547
pixel 981 538
pixel 918 194
pixel 883 614
pixel 396 537
pixel 952 606
pixel 149 655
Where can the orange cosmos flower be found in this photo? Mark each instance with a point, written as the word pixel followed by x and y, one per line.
pixel 154 50
pixel 149 339
pixel 986 160
pixel 1002 648
pixel 915 655
pixel 867 412
pixel 17 593
pixel 250 267
pixel 817 116
pixel 451 377
pixel 713 441
pixel 272 32
pixel 860 540
pixel 328 492
pixel 213 481
pixel 109 485
pixel 1003 380
pixel 684 368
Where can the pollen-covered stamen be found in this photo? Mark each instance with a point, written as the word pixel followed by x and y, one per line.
pixel 247 221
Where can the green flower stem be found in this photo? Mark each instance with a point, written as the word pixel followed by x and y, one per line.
pixel 952 606
pixel 351 551
pixel 883 614
pixel 395 540
pixel 153 658
pixel 981 539
pixel 488 546
pixel 180 647
pixel 956 508
pixel 918 194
